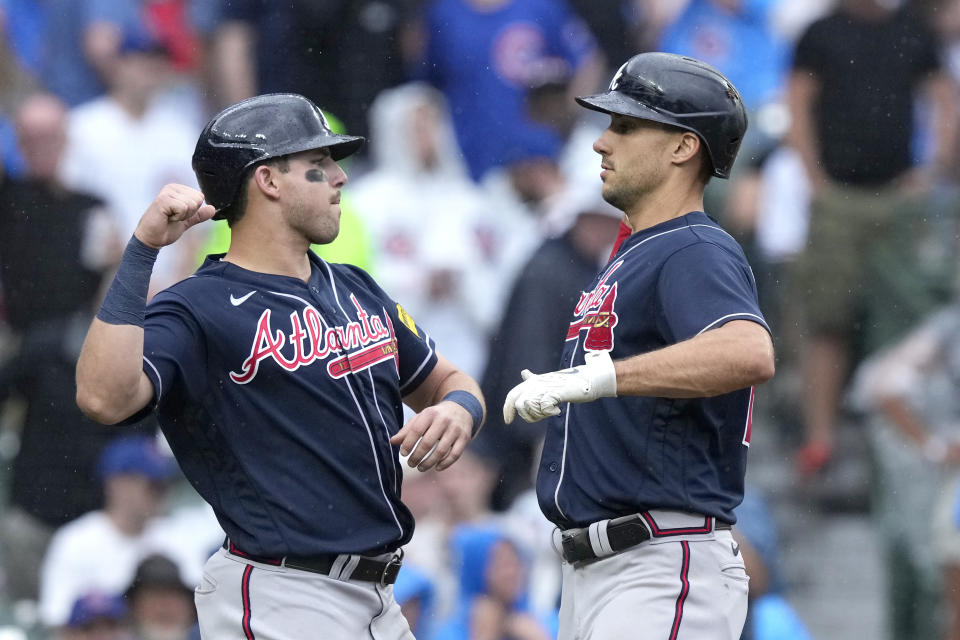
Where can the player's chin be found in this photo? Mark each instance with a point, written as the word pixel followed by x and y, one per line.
pixel 327 233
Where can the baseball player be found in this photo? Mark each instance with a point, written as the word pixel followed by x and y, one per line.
pixel 278 379
pixel 646 445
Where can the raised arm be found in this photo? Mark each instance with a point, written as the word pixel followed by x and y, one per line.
pixel 450 411
pixel 111 384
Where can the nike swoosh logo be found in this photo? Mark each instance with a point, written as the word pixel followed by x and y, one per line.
pixel 239 301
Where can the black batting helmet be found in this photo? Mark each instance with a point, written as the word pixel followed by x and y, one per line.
pixel 681 92
pixel 257 129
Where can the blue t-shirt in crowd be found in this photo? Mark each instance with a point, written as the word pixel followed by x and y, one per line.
pixel 741 44
pixel 485 63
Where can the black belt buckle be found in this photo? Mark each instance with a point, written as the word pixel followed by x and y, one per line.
pixel 622 533
pixel 576 545
pixel 627 531
pixel 390 572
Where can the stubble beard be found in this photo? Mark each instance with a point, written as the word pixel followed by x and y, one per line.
pixel 618 196
pixel 327 228
pixel 319 227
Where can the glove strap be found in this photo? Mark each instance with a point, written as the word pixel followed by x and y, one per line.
pixel 126 300
pixel 469 402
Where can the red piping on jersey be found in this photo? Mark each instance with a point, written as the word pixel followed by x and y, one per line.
pixel 232 548
pixel 658 532
pixel 684 590
pixel 245 593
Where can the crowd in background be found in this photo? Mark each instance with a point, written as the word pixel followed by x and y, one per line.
pixel 476 203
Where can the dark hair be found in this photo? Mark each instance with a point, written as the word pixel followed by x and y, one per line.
pixel 238 207
pixel 156 571
pixel 706 165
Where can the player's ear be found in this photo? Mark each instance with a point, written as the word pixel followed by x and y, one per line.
pixel 686 147
pixel 264 179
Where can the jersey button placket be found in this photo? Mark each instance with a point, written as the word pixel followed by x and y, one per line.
pixel 553 467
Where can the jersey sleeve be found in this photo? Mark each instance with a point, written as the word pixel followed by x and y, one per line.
pixel 704 286
pixel 416 350
pixel 173 349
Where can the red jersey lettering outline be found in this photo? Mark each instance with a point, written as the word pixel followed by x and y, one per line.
pixel 598 317
pixel 311 342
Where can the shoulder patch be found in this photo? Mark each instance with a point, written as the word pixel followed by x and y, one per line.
pixel 407 320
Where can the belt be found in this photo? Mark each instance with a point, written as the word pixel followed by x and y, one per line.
pixel 607 537
pixel 333 565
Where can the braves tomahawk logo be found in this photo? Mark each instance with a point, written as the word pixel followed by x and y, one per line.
pixel 595 315
pixel 357 346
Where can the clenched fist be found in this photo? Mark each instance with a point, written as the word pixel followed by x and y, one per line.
pixel 175 209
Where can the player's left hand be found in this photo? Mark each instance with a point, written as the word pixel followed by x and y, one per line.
pixel 539 396
pixel 435 437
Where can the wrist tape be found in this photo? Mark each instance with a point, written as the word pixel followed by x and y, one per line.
pixel 126 299
pixel 469 402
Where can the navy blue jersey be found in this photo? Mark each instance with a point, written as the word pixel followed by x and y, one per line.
pixel 278 398
pixel 617 456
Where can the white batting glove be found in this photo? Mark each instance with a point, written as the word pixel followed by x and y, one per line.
pixel 539 396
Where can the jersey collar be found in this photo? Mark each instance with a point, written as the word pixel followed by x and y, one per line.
pixel 692 218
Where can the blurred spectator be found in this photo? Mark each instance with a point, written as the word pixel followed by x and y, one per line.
pixel 124 146
pixel 423 213
pixel 426 555
pixel 48 40
pixel 340 53
pixel 112 21
pixel 55 243
pixel 53 477
pixel 493 600
pixel 101 550
pixel 415 592
pixel 466 490
pixel 441 502
pixel 161 605
pixel 70 47
pixel 737 37
pixel 524 523
pixel 767 210
pixel 485 55
pixel 790 19
pixel 15 86
pixel 519 198
pixel 856 75
pixel 553 278
pixel 769 616
pixel 617 25
pixel 97 616
pixel 909 391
